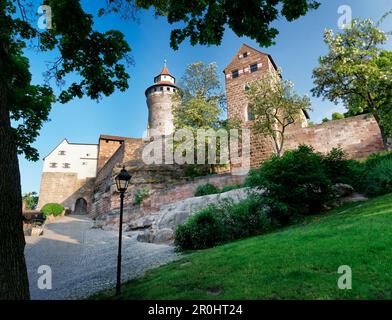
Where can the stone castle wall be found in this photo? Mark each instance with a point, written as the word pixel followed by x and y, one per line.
pixel 358 136
pixel 65 188
pixel 160 197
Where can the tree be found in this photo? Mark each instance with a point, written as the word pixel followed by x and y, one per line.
pixel 200 102
pixel 205 21
pixel 358 72
pixel 97 62
pixel 275 106
pixel 31 200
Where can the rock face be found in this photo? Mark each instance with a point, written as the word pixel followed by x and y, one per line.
pixel 343 189
pixel 159 227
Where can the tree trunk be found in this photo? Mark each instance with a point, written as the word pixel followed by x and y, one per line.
pixel 13 273
pixel 386 140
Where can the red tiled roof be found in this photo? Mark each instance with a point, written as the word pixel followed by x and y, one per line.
pixel 165 71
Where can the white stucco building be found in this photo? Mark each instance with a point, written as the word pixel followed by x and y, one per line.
pixel 68 175
pixel 69 157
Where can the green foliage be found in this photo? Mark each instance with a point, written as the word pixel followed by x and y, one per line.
pixel 275 106
pixel 341 170
pixel 373 160
pixel 198 107
pixel 358 72
pixel 195 170
pixel 94 60
pixel 227 221
pixel 379 179
pixel 205 21
pixel 54 209
pixel 325 120
pixel 295 183
pixel 206 189
pixel 140 195
pixel 337 116
pixel 31 200
pixel 229 188
pixel 203 230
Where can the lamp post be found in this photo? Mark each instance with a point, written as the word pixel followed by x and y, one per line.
pixel 122 181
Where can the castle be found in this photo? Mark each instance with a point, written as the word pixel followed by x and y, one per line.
pixel 80 176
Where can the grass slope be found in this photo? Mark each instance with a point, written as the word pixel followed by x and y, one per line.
pixel 299 262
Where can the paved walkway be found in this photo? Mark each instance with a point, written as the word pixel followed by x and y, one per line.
pixel 83 260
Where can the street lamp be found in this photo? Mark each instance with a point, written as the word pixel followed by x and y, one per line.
pixel 122 181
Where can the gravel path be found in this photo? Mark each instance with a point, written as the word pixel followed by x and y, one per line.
pixel 83 260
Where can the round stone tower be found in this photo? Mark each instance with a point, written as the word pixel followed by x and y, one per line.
pixel 159 102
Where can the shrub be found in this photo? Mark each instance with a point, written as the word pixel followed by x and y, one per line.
pixel 202 230
pixel 229 188
pixel 196 170
pixel 341 170
pixel 379 179
pixel 227 221
pixel 206 189
pixel 295 183
pixel 373 160
pixel 140 195
pixel 52 209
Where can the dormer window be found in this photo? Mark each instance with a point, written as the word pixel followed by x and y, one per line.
pixel 53 165
pixel 245 54
pixel 253 67
pixel 66 165
pixel 234 74
pixel 61 153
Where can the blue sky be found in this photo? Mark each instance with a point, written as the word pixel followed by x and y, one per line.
pixel 298 48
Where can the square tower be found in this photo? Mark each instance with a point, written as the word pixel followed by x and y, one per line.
pixel 247 66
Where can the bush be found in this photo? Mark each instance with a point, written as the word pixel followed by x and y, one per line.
pixel 295 183
pixel 341 170
pixel 203 230
pixel 373 160
pixel 218 224
pixel 379 178
pixel 206 189
pixel 55 209
pixel 140 195
pixel 229 188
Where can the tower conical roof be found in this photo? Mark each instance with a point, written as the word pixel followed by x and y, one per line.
pixel 165 71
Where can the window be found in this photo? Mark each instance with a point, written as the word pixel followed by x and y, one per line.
pixel 168 89
pixel 245 54
pixel 53 165
pixel 161 88
pixel 234 74
pixel 61 153
pixel 155 89
pixel 253 67
pixel 84 163
pixel 66 165
pixel 249 114
pixel 87 154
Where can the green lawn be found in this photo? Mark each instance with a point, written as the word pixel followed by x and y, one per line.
pixel 299 262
